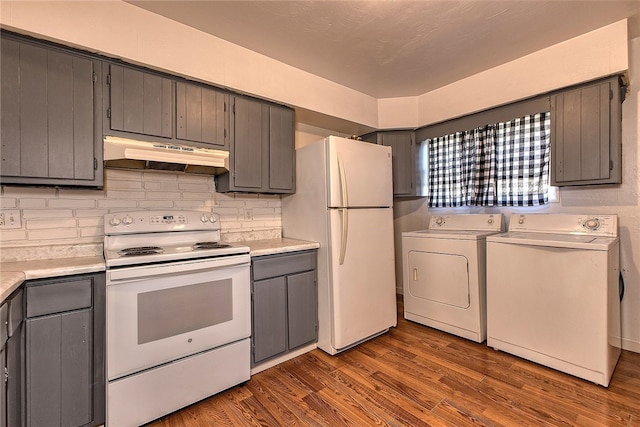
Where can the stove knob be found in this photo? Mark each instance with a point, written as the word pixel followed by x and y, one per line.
pixel 439 220
pixel 203 218
pixel 115 221
pixel 212 218
pixel 127 220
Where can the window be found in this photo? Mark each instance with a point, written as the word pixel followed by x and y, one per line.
pixel 502 164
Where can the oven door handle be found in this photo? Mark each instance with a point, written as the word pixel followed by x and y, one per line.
pixel 153 270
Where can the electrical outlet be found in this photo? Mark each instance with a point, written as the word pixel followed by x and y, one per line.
pixel 10 218
pixel 248 215
pixel 553 194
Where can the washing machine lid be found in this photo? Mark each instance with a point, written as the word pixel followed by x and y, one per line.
pixel 571 241
pixel 450 234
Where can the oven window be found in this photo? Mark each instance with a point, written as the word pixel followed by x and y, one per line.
pixel 174 311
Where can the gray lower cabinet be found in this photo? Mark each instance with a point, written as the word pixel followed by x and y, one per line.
pixel 11 359
pixel 64 351
pixel 586 134
pixel 403 159
pixel 262 148
pixel 50 109
pixel 284 303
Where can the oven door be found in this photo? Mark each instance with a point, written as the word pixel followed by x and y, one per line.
pixel 160 313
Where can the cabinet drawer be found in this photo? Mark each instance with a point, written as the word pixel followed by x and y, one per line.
pixel 281 265
pixel 57 297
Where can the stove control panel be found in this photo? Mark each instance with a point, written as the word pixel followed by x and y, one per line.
pixel 168 219
pixel 159 221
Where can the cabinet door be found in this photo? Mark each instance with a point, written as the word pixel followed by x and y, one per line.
pixel 201 114
pixel 281 150
pixel 402 148
pixel 302 308
pixel 269 333
pixel 140 102
pixel 49 104
pixel 250 133
pixel 585 135
pixel 59 369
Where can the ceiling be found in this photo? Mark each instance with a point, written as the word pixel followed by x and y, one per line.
pixel 395 48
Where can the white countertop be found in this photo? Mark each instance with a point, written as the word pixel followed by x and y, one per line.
pixel 13 274
pixel 277 246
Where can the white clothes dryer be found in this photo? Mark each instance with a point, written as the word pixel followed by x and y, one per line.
pixel 444 273
pixel 553 294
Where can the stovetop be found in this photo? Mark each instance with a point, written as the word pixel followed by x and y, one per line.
pixel 145 237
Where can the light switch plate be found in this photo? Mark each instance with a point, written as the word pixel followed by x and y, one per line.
pixel 10 218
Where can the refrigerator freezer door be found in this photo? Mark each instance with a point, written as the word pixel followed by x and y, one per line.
pixel 359 174
pixel 363 287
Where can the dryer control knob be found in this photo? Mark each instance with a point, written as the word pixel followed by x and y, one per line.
pixel 592 224
pixel 115 221
pixel 490 220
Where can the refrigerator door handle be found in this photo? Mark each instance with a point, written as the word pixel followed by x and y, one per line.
pixel 343 182
pixel 345 232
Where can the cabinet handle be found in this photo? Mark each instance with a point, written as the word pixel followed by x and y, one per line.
pixel 415 274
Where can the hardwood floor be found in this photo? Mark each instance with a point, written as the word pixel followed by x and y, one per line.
pixel 417 376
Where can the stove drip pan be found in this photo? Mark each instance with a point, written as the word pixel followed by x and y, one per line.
pixel 210 245
pixel 141 250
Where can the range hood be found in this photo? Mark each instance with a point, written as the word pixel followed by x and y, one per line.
pixel 124 153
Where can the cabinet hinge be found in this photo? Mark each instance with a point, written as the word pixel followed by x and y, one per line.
pixel 109 113
pixel 6 374
pixel 95 77
pixel 109 79
pixel 610 165
pixel 610 94
pixel 225 133
pixel 95 164
pixel 225 107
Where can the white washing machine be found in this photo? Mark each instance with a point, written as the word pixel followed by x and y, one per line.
pixel 553 292
pixel 444 273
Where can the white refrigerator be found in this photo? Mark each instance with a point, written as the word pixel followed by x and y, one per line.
pixel 344 201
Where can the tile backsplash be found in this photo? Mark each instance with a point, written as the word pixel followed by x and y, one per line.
pixel 60 216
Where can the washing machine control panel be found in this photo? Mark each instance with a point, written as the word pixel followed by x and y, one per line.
pixel 598 225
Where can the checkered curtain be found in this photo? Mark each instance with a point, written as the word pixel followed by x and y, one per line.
pixel 504 164
pixel 522 160
pixel 481 178
pixel 445 171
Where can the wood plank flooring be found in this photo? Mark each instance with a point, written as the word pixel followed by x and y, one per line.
pixel 417 376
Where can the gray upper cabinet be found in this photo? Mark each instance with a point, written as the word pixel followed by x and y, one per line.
pixel 201 114
pixel 281 149
pixel 402 145
pixel 139 102
pixel 586 135
pixel 156 107
pixel 262 151
pixel 51 108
